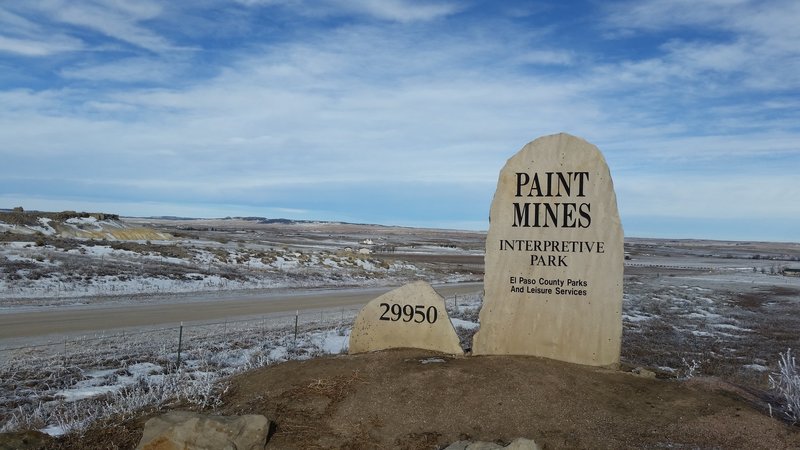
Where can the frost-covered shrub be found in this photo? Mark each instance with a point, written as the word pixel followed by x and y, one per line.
pixel 690 369
pixel 65 389
pixel 786 382
pixel 203 389
pixel 465 336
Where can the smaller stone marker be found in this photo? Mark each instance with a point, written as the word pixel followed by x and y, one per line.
pixel 411 316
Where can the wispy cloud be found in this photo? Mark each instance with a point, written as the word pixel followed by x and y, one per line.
pixel 397 111
pixel 122 21
pixel 128 70
pixel 25 37
pixel 32 47
pixel 400 10
pixel 403 11
pixel 748 42
pixel 117 20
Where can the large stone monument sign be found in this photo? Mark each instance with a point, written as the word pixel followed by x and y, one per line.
pixel 554 257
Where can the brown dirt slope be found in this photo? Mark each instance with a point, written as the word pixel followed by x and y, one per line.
pixel 394 400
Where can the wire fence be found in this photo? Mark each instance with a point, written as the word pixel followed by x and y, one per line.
pixel 68 383
pixel 184 336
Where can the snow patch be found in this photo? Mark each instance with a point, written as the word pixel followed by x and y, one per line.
pixel 82 220
pixel 466 324
pixel 727 326
pixel 633 317
pixel 44 227
pixel 702 333
pixel 332 342
pixel 756 367
pixel 702 314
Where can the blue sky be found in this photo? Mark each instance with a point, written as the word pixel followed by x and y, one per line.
pixel 399 111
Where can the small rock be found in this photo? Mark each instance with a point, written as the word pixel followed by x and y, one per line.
pixel 644 373
pixel 516 444
pixel 483 446
pixel 458 445
pixel 25 440
pixel 522 444
pixel 184 430
pixel 432 360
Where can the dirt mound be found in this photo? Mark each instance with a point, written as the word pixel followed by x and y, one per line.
pixel 415 399
pixel 412 399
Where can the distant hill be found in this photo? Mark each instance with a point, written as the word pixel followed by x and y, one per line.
pixel 283 221
pixel 171 218
pixel 72 224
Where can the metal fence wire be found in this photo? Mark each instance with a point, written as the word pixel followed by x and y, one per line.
pixel 184 336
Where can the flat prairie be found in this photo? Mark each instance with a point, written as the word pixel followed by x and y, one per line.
pixel 697 312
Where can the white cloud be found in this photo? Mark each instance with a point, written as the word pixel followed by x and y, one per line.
pixel 138 69
pixel 15 23
pixel 115 22
pixel 753 40
pixel 48 25
pixel 710 195
pixel 399 10
pixel 402 11
pixel 337 111
pixel 665 14
pixel 430 109
pixel 547 57
pixel 32 47
pixel 21 36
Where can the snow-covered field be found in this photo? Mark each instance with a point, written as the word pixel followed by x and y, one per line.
pixel 48 269
pixel 49 272
pixel 690 307
pixel 49 262
pixel 727 324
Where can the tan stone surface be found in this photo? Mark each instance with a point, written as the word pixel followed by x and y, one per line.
pixel 419 320
pixel 180 430
pixel 575 246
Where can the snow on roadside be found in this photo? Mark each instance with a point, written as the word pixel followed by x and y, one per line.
pixel 104 381
pixel 124 373
pixel 114 386
pixel 109 285
pixel 466 324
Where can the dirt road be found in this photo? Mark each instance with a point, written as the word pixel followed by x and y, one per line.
pixel 93 318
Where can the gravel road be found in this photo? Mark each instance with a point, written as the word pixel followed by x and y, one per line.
pixel 99 317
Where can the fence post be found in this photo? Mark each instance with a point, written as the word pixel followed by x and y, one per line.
pixel 180 343
pixel 455 301
pixel 65 348
pixel 263 327
pixel 296 316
